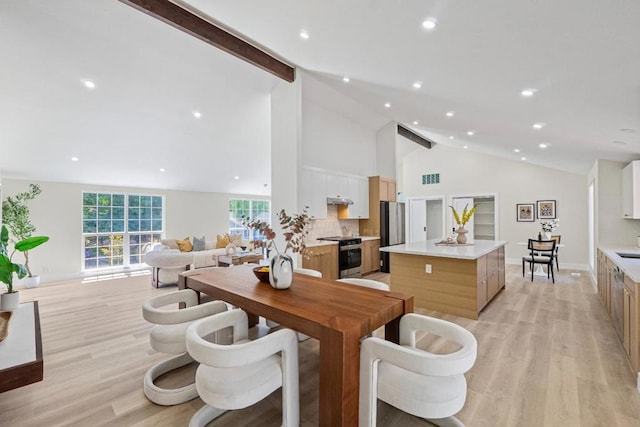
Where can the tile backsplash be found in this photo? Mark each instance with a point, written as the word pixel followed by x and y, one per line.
pixel 332 226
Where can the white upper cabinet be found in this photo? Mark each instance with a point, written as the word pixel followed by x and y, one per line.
pixel 631 190
pixel 316 185
pixel 313 189
pixel 358 191
pixel 337 186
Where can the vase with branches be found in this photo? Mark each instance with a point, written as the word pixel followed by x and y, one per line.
pixel 294 229
pixel 461 220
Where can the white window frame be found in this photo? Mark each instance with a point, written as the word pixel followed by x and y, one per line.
pixel 249 234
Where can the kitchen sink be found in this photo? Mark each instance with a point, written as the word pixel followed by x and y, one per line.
pixel 628 255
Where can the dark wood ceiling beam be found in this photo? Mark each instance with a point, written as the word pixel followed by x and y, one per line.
pixel 210 33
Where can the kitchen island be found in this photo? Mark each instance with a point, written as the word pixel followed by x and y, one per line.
pixel 453 279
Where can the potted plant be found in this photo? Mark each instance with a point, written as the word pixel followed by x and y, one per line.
pixel 15 214
pixel 294 231
pixel 10 299
pixel 461 221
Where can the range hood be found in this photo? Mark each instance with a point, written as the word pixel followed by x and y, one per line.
pixel 338 201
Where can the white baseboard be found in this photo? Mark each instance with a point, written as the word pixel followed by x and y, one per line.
pixel 563 265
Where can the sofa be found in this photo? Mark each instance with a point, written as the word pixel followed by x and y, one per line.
pixel 171 257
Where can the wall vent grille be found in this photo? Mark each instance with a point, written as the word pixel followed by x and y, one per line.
pixel 432 178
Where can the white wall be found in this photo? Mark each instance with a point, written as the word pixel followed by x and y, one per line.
pixel 57 213
pixel 386 150
pixel 467 173
pixel 334 138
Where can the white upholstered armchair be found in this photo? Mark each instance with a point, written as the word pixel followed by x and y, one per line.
pixel 427 385
pixel 241 374
pixel 168 336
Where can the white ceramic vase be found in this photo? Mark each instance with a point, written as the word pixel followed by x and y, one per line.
pixel 9 301
pixel 31 281
pixel 281 271
pixel 546 235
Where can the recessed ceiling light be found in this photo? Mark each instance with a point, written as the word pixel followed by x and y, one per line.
pixel 538 125
pixel 197 114
pixel 415 122
pixel 236 177
pixel 74 159
pixel 417 85
pixel 346 79
pixel 451 113
pixel 429 23
pixel 89 84
pixel 387 105
pixel 466 146
pixel 543 145
pixel 162 169
pixel 304 35
pixel 516 150
pixel 528 92
pixel 451 137
pixel 627 130
pixel 471 133
pixel 523 158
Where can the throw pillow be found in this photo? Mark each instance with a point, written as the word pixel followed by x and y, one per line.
pixel 184 245
pixel 235 239
pixel 170 243
pixel 198 244
pixel 222 241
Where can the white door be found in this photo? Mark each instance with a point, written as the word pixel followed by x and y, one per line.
pixel 417 220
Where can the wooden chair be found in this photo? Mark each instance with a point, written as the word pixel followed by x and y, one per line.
pixel 555 254
pixel 540 252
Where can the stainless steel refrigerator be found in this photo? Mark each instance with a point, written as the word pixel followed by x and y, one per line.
pixel 391 229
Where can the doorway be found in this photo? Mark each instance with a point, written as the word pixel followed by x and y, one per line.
pixel 425 218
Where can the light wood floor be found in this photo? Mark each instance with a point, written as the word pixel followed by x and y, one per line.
pixel 548 356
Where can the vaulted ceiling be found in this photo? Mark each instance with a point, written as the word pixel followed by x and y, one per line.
pixel 582 59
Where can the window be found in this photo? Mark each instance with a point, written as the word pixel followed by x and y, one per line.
pixel 116 228
pixel 253 209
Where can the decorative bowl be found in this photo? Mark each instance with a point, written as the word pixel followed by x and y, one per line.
pixel 262 273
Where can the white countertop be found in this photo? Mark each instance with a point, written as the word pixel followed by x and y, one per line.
pixel 630 266
pixel 366 238
pixel 316 243
pixel 429 248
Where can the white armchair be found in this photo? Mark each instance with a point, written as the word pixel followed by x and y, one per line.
pixel 367 283
pixel 427 385
pixel 241 374
pixel 168 336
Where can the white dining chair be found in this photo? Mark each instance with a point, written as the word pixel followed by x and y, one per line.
pixel 168 336
pixel 242 373
pixel 426 385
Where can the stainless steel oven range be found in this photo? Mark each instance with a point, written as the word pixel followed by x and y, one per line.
pixel 349 256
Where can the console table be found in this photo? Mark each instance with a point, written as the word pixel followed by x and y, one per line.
pixel 21 352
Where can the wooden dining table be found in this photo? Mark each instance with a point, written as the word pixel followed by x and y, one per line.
pixel 335 313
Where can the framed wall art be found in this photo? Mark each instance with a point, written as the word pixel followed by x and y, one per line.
pixel 526 212
pixel 546 209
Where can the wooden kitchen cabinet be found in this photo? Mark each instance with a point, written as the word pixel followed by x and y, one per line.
pixel 381 189
pixel 323 259
pixel 630 315
pixel 629 331
pixel 370 256
pixel 490 275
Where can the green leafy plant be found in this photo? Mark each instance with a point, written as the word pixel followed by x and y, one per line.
pixel 15 214
pixel 461 220
pixel 7 266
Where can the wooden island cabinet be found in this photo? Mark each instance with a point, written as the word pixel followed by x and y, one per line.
pixel 459 280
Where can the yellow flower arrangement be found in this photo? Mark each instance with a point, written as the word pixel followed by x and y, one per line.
pixel 466 214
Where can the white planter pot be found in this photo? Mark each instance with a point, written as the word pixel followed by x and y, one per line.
pixel 31 282
pixel 9 302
